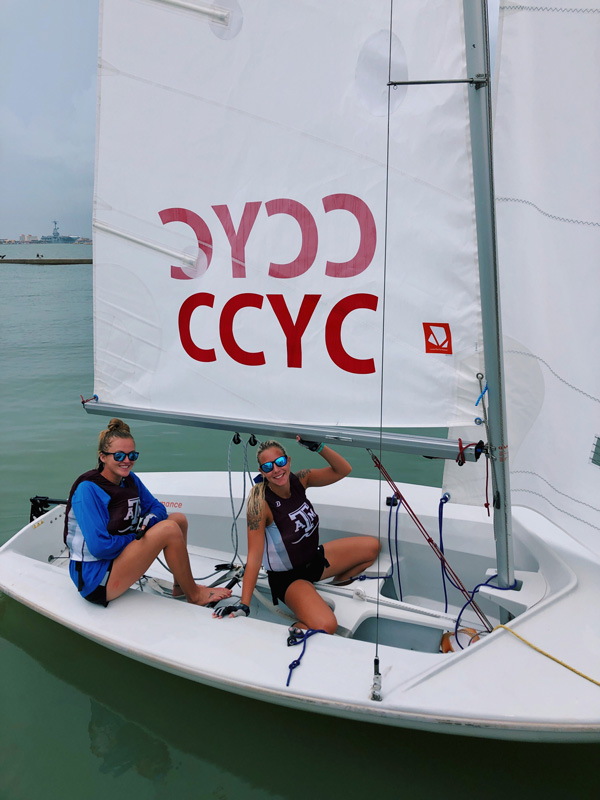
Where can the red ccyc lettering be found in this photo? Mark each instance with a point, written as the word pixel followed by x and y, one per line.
pixel 238 239
pixel 185 317
pixel 333 333
pixel 230 309
pixel 310 238
pixel 368 235
pixel 199 227
pixel 293 330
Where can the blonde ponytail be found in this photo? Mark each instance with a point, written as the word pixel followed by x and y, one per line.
pixel 256 498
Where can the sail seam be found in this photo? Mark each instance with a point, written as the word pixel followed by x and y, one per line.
pixel 556 375
pixel 551 10
pixel 558 508
pixel 546 213
pixel 554 489
pixel 370 159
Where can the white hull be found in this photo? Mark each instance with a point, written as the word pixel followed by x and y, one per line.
pixel 498 687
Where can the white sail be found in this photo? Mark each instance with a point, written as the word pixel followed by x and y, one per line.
pixel 272 224
pixel 548 201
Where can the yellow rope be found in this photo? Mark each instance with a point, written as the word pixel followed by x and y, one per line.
pixel 537 649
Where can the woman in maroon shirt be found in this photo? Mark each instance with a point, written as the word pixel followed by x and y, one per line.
pixel 283 534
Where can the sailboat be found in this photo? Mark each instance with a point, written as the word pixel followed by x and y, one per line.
pixel 302 225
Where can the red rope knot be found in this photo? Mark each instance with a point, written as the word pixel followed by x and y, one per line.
pixel 462 448
pixel 89 400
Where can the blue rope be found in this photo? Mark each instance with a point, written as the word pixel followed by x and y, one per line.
pixel 304 639
pixel 443 500
pixel 481 395
pixel 391 575
pixel 470 600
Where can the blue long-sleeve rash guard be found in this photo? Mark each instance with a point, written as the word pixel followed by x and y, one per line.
pixel 92 512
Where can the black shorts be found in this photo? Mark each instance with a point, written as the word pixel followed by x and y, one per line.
pixel 98 595
pixel 312 572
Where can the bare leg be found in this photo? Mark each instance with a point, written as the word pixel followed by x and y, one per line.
pixel 168 537
pixel 181 520
pixel 309 607
pixel 349 557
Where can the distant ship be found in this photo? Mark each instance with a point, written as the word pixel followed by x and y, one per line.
pixel 56 238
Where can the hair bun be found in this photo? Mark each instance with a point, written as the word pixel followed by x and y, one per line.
pixel 119 425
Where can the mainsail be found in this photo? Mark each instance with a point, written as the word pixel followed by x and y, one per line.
pixel 280 236
pixel 548 201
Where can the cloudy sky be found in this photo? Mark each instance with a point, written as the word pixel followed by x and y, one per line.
pixel 48 57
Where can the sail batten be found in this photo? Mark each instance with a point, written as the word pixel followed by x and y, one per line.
pixel 219 16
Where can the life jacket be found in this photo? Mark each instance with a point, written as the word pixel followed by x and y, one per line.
pixel 123 509
pixel 293 539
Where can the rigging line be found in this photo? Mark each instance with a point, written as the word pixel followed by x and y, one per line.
pixel 459 584
pixel 246 475
pixel 490 460
pixel 383 302
pixel 552 658
pixel 470 602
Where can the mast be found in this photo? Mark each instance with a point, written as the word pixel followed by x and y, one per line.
pixel 480 108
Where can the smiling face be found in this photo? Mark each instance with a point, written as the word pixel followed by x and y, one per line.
pixel 113 470
pixel 279 477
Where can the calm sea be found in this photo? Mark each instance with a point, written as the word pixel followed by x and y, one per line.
pixel 80 721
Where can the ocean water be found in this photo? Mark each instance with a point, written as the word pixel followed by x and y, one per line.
pixel 78 720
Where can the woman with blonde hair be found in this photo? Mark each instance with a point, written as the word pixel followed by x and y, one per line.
pixel 115 528
pixel 283 534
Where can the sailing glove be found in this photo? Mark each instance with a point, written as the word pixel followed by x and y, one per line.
pixel 232 611
pixel 144 524
pixel 315 447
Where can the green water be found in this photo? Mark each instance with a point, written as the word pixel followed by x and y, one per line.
pixel 80 721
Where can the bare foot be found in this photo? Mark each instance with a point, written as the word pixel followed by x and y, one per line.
pixel 207 595
pixel 177 590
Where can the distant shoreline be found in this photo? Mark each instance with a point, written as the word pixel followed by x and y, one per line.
pixel 46 261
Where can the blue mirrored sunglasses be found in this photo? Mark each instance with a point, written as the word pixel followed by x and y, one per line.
pixel 269 465
pixel 121 456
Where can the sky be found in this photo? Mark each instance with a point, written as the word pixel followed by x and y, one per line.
pixel 48 59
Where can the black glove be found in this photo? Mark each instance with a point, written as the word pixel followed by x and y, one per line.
pixel 143 525
pixel 315 447
pixel 235 611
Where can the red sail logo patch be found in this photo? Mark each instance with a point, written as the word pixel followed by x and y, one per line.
pixel 438 338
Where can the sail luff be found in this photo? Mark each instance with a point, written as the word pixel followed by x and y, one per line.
pixel 478 64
